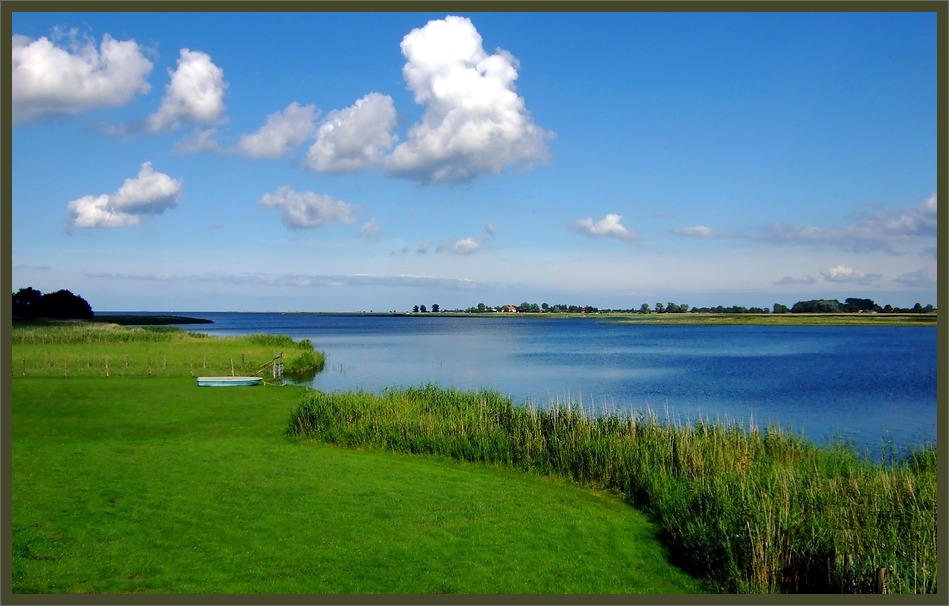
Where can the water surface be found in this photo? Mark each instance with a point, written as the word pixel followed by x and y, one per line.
pixel 868 384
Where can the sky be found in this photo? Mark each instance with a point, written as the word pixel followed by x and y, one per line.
pixel 376 161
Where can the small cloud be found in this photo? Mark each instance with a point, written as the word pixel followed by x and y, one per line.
pixel 841 273
pixel 491 229
pixel 370 230
pixel 789 280
pixel 307 209
pixel 916 279
pixel 608 227
pixel 195 94
pixel 282 131
pixel 701 231
pixel 355 137
pixel 422 248
pixel 199 140
pixel 149 193
pixel 47 79
pixel 465 246
pixel 474 122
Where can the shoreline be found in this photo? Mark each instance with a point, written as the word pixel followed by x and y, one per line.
pixel 697 319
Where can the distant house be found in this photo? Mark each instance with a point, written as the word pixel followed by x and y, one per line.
pixel 509 309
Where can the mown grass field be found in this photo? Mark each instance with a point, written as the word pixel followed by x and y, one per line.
pixel 141 482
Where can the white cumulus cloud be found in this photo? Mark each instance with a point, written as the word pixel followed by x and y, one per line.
pixel 465 246
pixel 47 79
pixel 842 273
pixel 148 193
pixel 474 122
pixel 195 94
pixel 607 227
pixel 307 209
pixel 356 137
pixel 282 131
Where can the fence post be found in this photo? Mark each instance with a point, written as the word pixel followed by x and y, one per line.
pixel 232 367
pixel 881 580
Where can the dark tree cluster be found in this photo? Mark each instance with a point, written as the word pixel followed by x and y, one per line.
pixel 30 304
pixel 853 305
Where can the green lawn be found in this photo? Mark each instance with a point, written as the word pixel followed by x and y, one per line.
pixel 153 485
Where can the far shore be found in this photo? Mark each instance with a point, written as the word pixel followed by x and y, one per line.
pixel 785 319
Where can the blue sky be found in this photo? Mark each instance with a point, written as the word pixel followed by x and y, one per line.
pixel 376 161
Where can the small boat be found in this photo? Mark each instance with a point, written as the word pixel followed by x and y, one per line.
pixel 228 381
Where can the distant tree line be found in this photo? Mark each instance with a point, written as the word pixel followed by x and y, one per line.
pixel 850 305
pixel 30 304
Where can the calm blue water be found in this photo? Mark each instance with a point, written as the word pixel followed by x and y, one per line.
pixel 869 384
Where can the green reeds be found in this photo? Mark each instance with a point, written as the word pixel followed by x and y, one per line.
pixel 758 511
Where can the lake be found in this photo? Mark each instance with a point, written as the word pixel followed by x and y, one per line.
pixel 869 384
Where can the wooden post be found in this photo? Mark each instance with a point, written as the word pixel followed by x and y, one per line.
pixel 106 366
pixel 24 367
pixel 232 367
pixel 881 580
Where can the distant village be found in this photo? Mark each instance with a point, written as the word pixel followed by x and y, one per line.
pixel 849 305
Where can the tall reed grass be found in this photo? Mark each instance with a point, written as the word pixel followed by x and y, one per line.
pixel 756 511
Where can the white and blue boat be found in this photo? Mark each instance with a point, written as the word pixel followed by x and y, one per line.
pixel 228 381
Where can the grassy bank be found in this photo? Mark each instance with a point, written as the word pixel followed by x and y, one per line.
pixel 82 349
pixel 842 319
pixel 759 511
pixel 152 485
pixel 797 319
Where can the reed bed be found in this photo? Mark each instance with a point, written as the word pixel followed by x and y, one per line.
pixel 753 510
pixel 86 349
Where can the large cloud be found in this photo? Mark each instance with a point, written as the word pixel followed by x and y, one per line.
pixel 474 122
pixel 607 227
pixel 195 94
pixel 307 209
pixel 283 131
pixel 355 137
pixel 47 79
pixel 149 193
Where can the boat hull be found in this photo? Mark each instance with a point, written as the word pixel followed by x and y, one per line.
pixel 228 381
